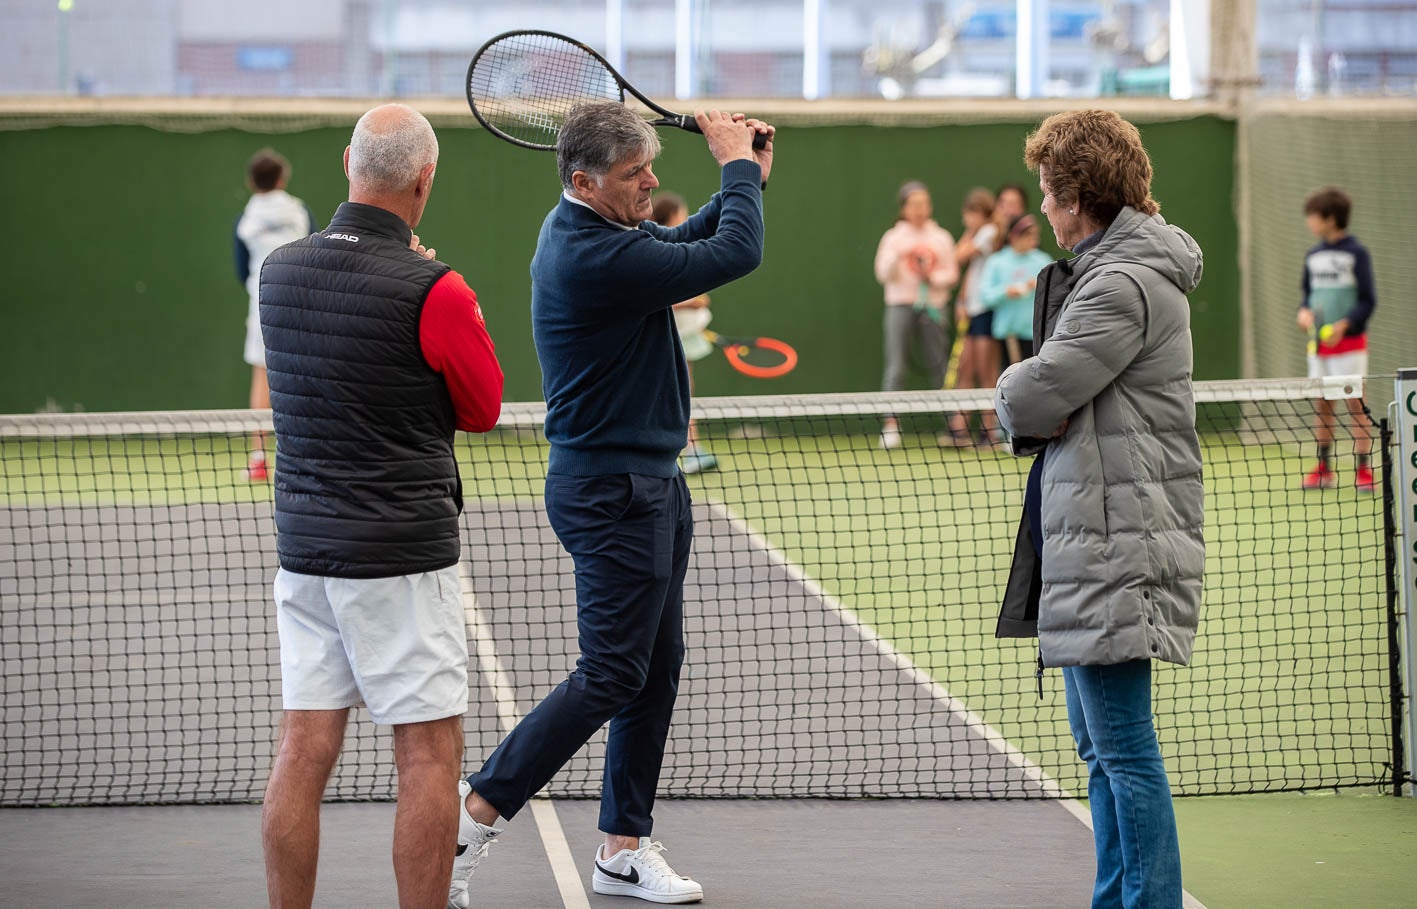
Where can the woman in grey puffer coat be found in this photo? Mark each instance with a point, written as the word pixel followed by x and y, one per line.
pixel 1111 553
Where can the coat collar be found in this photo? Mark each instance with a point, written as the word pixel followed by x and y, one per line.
pixel 357 217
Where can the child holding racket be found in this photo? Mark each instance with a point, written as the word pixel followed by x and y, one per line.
pixel 915 263
pixel 691 317
pixel 1338 300
pixel 976 355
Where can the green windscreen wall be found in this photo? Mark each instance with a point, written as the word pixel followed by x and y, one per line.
pixel 119 291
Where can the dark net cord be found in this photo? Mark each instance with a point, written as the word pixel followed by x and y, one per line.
pixel 840 604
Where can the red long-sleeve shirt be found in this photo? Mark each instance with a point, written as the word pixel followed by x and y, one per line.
pixel 456 345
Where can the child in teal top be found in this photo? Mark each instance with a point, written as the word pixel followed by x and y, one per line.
pixel 1009 278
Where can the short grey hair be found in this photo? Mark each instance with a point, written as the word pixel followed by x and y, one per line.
pixel 598 135
pixel 390 147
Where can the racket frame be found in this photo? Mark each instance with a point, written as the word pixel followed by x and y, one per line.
pixel 667 117
pixel 735 347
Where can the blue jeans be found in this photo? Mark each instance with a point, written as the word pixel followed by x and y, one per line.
pixel 629 537
pixel 1133 823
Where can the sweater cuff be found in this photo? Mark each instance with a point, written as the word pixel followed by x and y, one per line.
pixel 744 170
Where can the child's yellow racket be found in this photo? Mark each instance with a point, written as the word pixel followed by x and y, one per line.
pixel 952 368
pixel 1321 334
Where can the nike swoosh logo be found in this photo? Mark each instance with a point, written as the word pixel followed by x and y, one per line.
pixel 632 878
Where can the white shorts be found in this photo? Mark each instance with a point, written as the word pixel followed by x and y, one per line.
pixel 1353 363
pixel 255 352
pixel 398 645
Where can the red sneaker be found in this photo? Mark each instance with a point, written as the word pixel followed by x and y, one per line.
pixel 257 472
pixel 1363 480
pixel 1321 477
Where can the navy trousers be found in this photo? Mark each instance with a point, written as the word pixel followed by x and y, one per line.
pixel 629 537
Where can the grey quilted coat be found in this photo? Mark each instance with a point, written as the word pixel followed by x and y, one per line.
pixel 1122 499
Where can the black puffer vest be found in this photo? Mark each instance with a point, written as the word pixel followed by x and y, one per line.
pixel 366 482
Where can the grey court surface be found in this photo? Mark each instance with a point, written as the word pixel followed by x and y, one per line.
pixel 799 853
pixel 140 665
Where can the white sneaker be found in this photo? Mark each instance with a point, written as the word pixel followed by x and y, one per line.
pixel 643 873
pixel 890 438
pixel 474 840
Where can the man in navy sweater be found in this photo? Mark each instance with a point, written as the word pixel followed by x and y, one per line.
pixel 604 281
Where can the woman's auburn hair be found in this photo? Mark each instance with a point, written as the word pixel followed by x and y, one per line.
pixel 1095 160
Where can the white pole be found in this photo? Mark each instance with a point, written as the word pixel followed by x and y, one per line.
pixel 615 34
pixel 1190 48
pixel 1031 48
pixel 65 6
pixel 813 75
pixel 1406 429
pixel 684 69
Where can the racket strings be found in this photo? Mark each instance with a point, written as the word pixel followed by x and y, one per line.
pixel 526 85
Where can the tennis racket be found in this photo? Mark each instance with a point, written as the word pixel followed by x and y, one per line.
pixel 521 86
pixel 1319 334
pixel 956 350
pixel 761 358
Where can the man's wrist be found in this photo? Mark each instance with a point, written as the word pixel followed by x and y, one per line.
pixel 735 170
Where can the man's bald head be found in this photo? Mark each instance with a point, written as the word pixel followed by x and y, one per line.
pixel 391 146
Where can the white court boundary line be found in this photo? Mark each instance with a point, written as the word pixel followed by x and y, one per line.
pixel 543 811
pixel 922 678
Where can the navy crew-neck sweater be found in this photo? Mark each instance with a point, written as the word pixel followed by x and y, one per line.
pixel 612 368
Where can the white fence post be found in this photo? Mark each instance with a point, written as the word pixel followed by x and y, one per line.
pixel 1406 428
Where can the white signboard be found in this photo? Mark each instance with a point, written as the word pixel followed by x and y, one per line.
pixel 1406 429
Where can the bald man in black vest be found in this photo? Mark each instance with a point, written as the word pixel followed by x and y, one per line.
pixel 377 353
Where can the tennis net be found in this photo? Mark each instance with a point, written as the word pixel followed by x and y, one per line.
pixel 840 607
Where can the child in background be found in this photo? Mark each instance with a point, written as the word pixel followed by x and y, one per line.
pixel 915 263
pixel 271 219
pixel 1009 278
pixel 691 317
pixel 1339 298
pixel 1009 202
pixel 978 365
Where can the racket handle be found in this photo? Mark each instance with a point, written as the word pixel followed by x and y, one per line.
pixel 687 122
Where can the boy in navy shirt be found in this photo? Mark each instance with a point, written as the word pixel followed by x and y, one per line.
pixel 1338 300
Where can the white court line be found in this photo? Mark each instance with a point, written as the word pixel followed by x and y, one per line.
pixel 922 678
pixel 553 838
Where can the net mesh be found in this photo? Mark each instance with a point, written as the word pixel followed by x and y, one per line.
pixel 1289 151
pixel 840 608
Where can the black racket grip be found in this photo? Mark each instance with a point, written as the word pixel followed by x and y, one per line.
pixel 687 122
